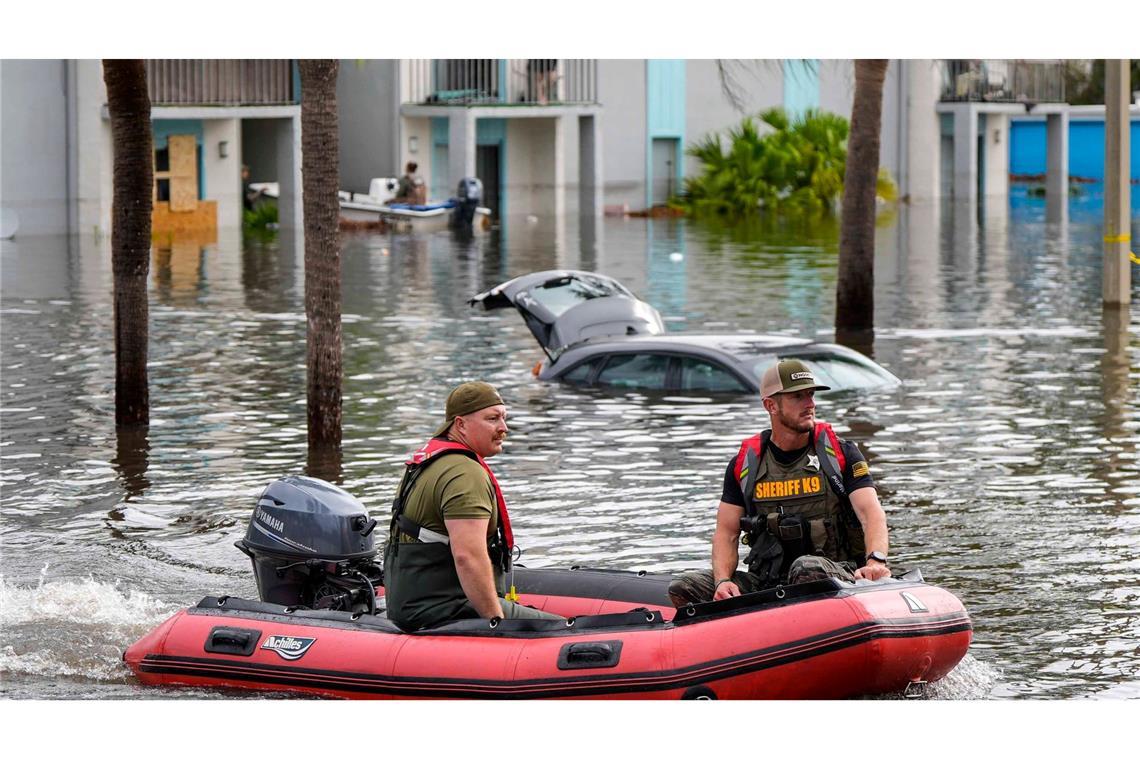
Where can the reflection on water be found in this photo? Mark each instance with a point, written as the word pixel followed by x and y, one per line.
pixel 1008 460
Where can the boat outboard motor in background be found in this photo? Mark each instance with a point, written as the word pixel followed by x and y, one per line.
pixel 469 195
pixel 312 545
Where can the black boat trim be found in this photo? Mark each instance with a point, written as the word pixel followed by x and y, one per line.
pixel 244 609
pixel 607 585
pixel 322 680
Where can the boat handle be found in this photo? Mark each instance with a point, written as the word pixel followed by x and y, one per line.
pixel 226 640
pixel 589 654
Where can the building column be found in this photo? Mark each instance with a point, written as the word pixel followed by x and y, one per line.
pixel 223 173
pixel 1056 165
pixel 559 167
pixel 290 204
pixel 460 146
pixel 996 145
pixel 966 152
pixel 590 165
pixel 920 180
pixel 1117 224
pixel 1057 154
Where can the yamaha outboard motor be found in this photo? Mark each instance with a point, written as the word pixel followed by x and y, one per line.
pixel 311 545
pixel 469 195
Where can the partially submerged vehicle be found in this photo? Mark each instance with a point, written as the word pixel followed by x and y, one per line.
pixel 319 628
pixel 597 333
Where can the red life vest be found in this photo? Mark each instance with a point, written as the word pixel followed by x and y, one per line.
pixel 824 440
pixel 437 446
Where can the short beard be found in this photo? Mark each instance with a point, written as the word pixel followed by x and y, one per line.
pixel 795 425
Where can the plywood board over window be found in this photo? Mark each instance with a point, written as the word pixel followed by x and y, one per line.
pixel 176 207
pixel 183 173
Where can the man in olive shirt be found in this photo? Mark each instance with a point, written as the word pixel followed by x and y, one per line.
pixel 450 539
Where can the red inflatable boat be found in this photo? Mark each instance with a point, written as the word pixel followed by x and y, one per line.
pixel 320 629
pixel 825 639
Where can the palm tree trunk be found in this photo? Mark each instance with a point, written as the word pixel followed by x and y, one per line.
pixel 128 103
pixel 320 180
pixel 855 291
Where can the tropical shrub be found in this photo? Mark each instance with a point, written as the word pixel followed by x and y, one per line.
pixel 798 165
pixel 262 216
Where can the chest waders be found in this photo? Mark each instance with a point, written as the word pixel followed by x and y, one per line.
pixel 797 509
pixel 421 584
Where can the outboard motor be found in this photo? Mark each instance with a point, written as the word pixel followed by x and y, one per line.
pixel 311 545
pixel 470 196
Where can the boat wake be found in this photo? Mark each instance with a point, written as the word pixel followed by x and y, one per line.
pixel 970 679
pixel 72 628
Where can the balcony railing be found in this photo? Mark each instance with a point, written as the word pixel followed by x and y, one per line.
pixel 1003 81
pixel 220 82
pixel 498 81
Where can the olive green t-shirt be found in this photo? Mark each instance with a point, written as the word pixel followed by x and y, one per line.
pixel 453 487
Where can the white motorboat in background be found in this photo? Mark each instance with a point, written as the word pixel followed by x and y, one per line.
pixel 375 206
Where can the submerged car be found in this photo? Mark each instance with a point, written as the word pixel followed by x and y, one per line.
pixel 597 333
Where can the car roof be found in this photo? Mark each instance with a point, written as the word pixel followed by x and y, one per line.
pixel 743 347
pixel 745 351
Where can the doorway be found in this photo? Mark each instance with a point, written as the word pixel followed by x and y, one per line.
pixel 665 151
pixel 487 169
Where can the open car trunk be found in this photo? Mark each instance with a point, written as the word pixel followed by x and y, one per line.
pixel 565 307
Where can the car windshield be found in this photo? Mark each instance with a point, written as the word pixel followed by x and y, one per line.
pixel 840 373
pixel 559 295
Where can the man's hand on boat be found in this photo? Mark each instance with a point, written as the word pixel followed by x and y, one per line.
pixel 873 571
pixel 871 516
pixel 725 590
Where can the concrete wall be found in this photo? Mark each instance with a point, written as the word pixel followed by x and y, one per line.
pixel 223 174
pixel 420 130
pixel 761 87
pixel 34 113
pixel 837 95
pixel 890 153
pixel 95 153
pixel 621 92
pixel 837 86
pixel 532 156
pixel 370 141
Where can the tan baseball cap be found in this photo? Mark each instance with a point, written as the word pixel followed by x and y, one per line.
pixel 467 398
pixel 788 375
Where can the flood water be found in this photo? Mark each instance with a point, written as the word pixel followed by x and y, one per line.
pixel 1008 461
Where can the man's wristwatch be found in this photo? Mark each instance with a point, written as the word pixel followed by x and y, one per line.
pixel 878 557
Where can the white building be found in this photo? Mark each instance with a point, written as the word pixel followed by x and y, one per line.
pixel 547 137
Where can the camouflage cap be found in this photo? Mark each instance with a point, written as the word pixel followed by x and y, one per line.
pixel 467 398
pixel 786 376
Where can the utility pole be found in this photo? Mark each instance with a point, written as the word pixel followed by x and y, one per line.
pixel 1117 225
